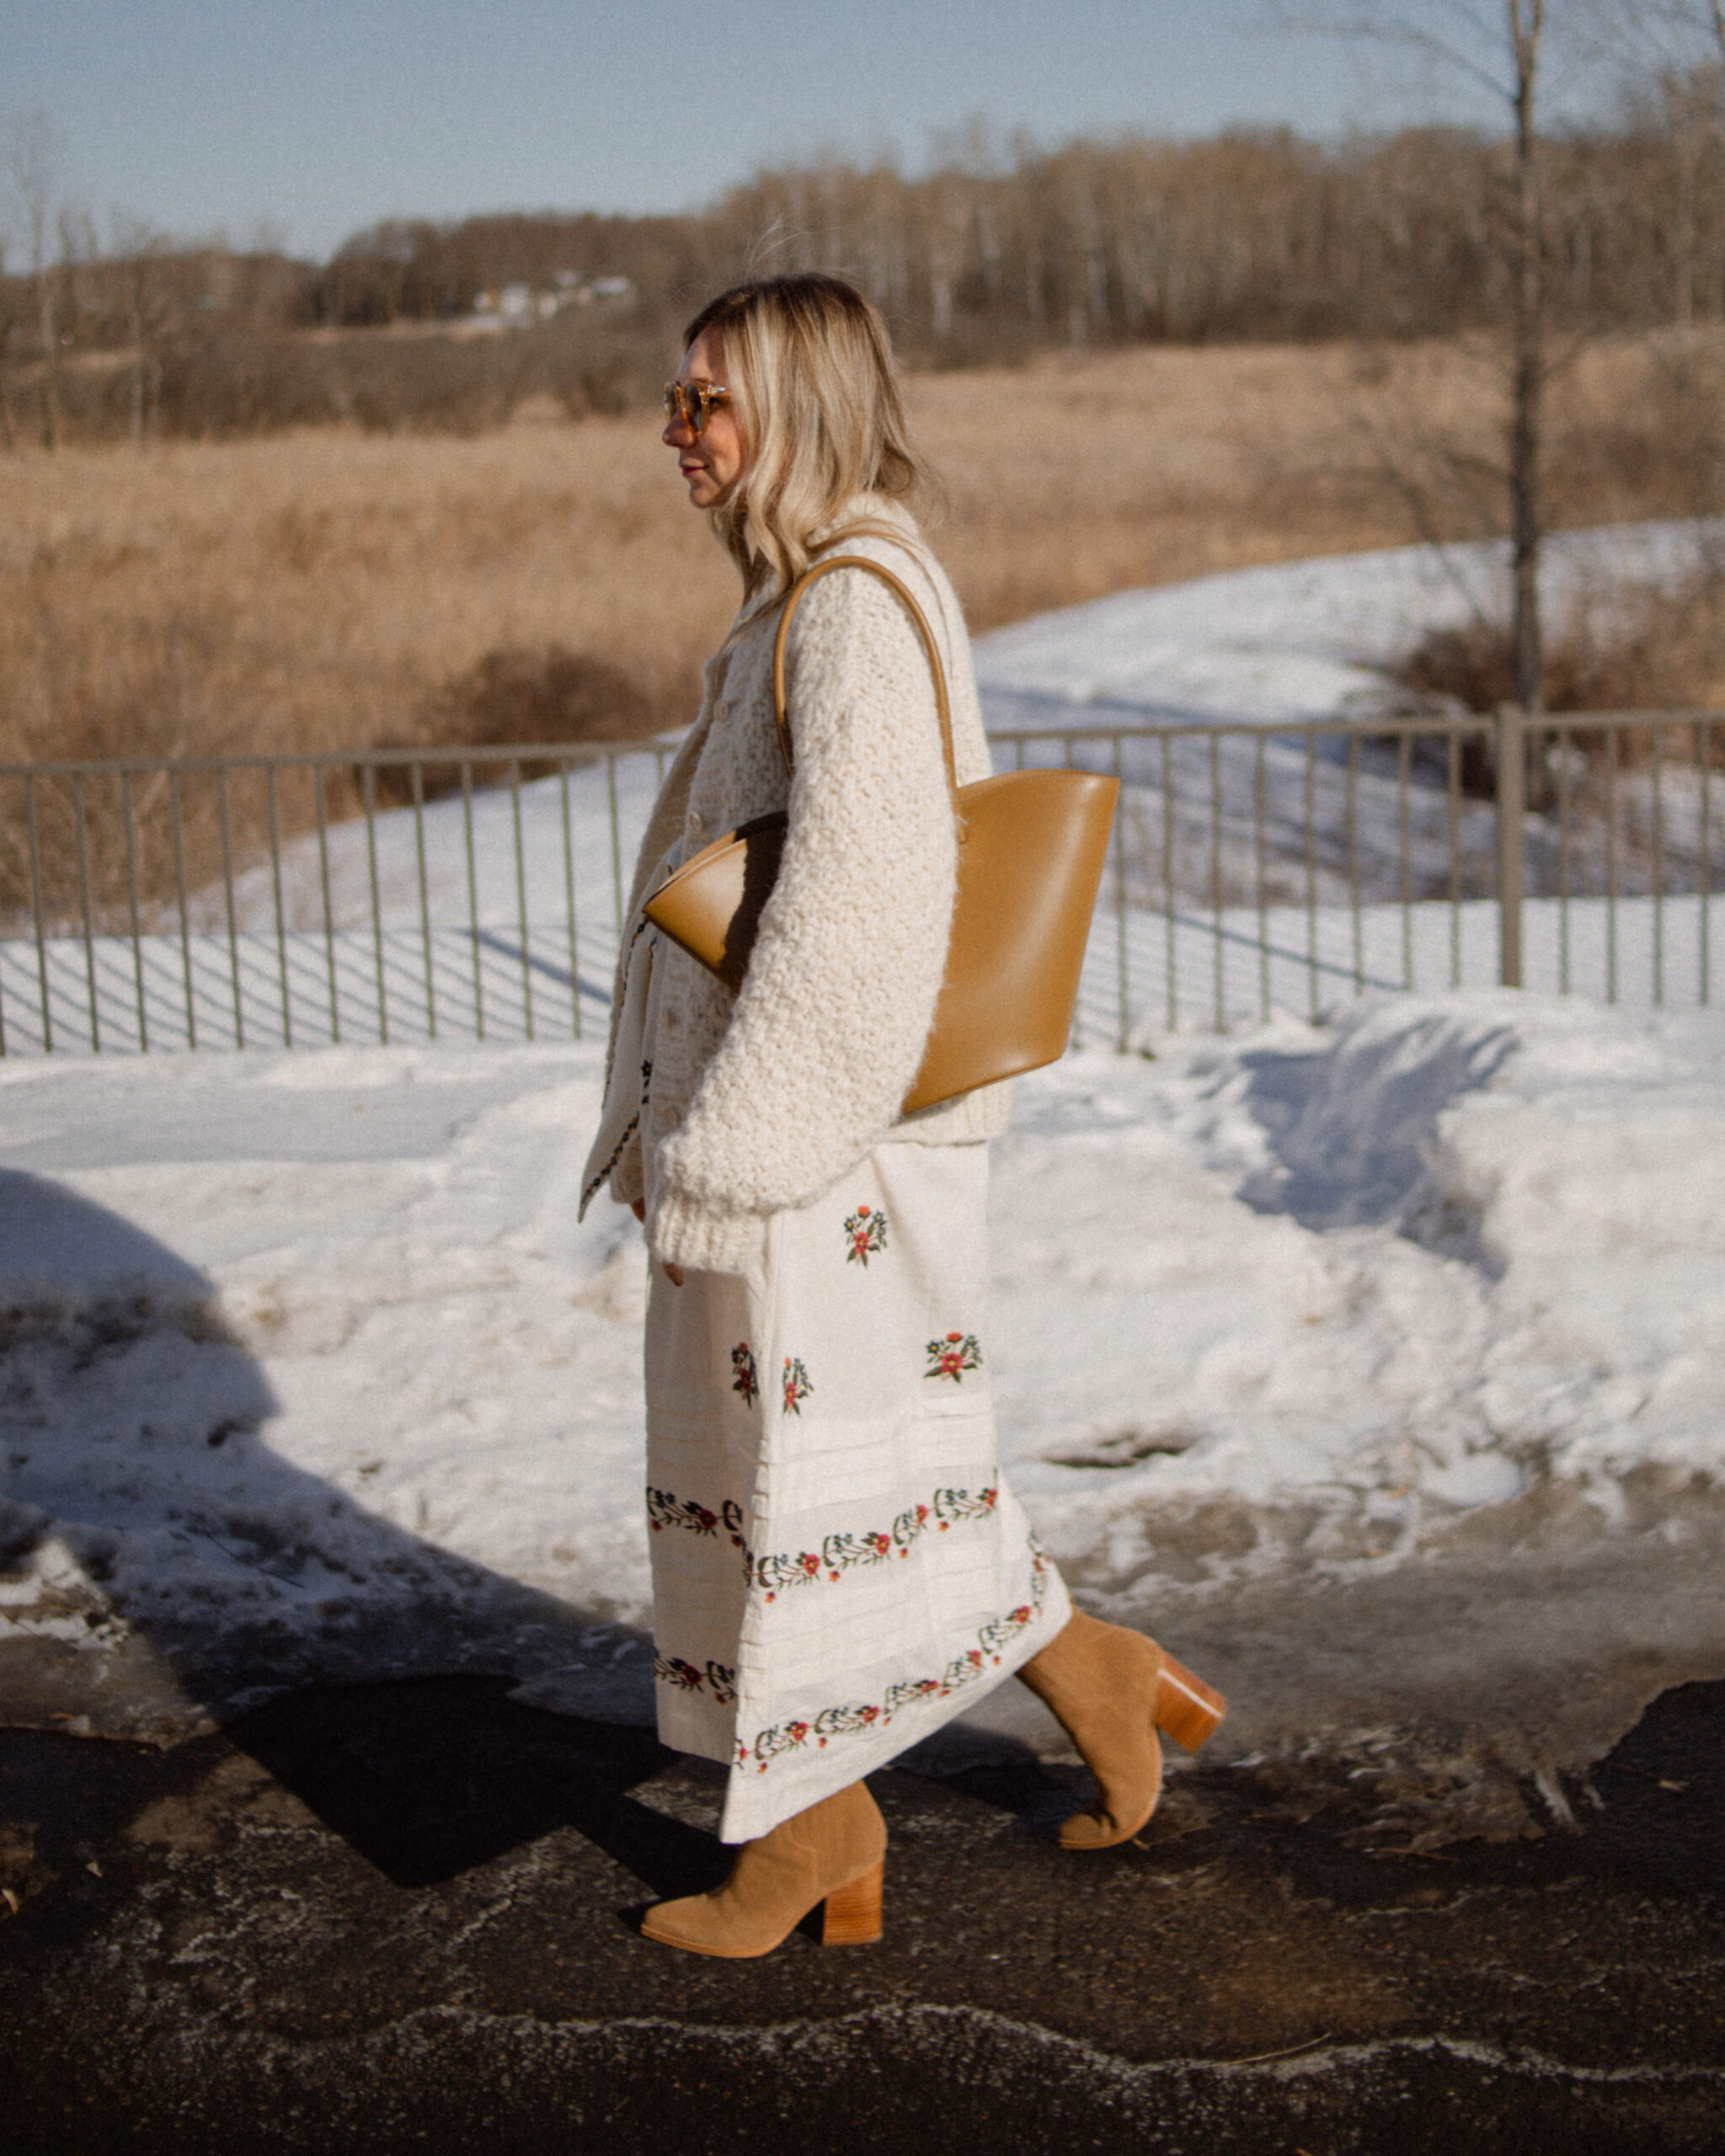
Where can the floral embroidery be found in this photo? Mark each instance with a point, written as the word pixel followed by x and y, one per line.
pixel 865 1235
pixel 784 1736
pixel 672 1669
pixel 797 1385
pixel 664 1510
pixel 952 1357
pixel 743 1378
pixel 839 1553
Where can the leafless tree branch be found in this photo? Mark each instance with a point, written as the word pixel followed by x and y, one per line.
pixel 31 167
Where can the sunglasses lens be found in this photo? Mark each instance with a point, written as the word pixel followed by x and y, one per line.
pixel 690 402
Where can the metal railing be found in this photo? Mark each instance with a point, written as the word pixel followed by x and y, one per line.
pixel 477 894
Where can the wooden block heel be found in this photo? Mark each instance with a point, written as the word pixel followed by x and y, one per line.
pixel 775 1882
pixel 852 1917
pixel 1187 1709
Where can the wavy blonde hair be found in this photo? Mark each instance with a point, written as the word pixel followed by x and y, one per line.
pixel 810 367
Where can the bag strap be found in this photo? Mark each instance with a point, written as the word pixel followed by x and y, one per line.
pixel 942 705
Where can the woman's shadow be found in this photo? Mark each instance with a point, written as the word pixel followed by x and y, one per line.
pixel 166 1571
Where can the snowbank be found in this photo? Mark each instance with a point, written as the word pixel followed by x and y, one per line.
pixel 495 918
pixel 308 1368
pixel 307 1371
pixel 1299 642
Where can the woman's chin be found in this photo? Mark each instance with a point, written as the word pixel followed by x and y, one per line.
pixel 707 491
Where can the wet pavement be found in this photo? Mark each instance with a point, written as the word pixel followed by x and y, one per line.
pixel 400 1917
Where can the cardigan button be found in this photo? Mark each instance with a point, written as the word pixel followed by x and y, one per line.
pixel 695 822
pixel 722 709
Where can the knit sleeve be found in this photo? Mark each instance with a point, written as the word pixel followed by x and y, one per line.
pixel 833 1015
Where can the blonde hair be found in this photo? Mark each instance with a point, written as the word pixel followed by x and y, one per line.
pixel 810 367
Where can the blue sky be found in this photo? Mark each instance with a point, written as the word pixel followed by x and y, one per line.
pixel 310 118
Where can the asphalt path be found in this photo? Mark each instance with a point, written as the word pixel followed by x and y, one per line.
pixel 402 1917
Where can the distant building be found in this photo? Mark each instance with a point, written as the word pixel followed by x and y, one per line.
pixel 513 306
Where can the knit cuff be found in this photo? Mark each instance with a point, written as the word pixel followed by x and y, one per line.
pixel 682 1231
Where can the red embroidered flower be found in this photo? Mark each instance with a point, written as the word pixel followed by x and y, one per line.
pixel 665 1509
pixel 798 1386
pixel 952 1357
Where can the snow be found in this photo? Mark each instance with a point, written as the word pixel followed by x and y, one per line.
pixel 307 1350
pixel 1259 870
pixel 489 919
pixel 1265 869
pixel 306 1369
pixel 1302 642
pixel 1449 1248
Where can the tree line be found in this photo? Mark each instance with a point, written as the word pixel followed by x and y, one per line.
pixel 1244 236
pixel 1248 235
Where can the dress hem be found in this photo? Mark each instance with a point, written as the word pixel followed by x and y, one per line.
pixel 827 1762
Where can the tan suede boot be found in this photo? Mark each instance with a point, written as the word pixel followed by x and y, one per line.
pixel 1110 1689
pixel 835 1852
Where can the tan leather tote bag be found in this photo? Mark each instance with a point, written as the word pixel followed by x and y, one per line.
pixel 1032 845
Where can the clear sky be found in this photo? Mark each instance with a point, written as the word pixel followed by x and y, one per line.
pixel 308 118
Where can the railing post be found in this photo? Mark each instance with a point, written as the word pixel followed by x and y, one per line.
pixel 1512 806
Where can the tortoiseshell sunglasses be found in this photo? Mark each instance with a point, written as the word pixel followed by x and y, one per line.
pixel 693 403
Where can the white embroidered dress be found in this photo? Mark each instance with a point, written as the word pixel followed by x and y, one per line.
pixel 838 1566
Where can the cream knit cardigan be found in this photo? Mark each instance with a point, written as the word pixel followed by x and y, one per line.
pixel 758 1101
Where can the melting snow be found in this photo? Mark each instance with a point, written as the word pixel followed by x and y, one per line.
pixel 308 1349
pixel 306 1367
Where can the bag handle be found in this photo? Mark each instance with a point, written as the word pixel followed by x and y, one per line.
pixel 874 568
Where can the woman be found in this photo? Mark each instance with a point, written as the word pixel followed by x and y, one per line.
pixel 837 1566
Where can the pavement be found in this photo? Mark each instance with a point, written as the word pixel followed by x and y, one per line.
pixel 401 1916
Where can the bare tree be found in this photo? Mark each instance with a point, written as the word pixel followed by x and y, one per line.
pixel 1496 47
pixel 1526 25
pixel 138 254
pixel 32 173
pixel 8 424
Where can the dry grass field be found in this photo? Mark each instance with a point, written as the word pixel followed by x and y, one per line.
pixel 333 590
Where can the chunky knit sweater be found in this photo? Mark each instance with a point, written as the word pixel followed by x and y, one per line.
pixel 757 1102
